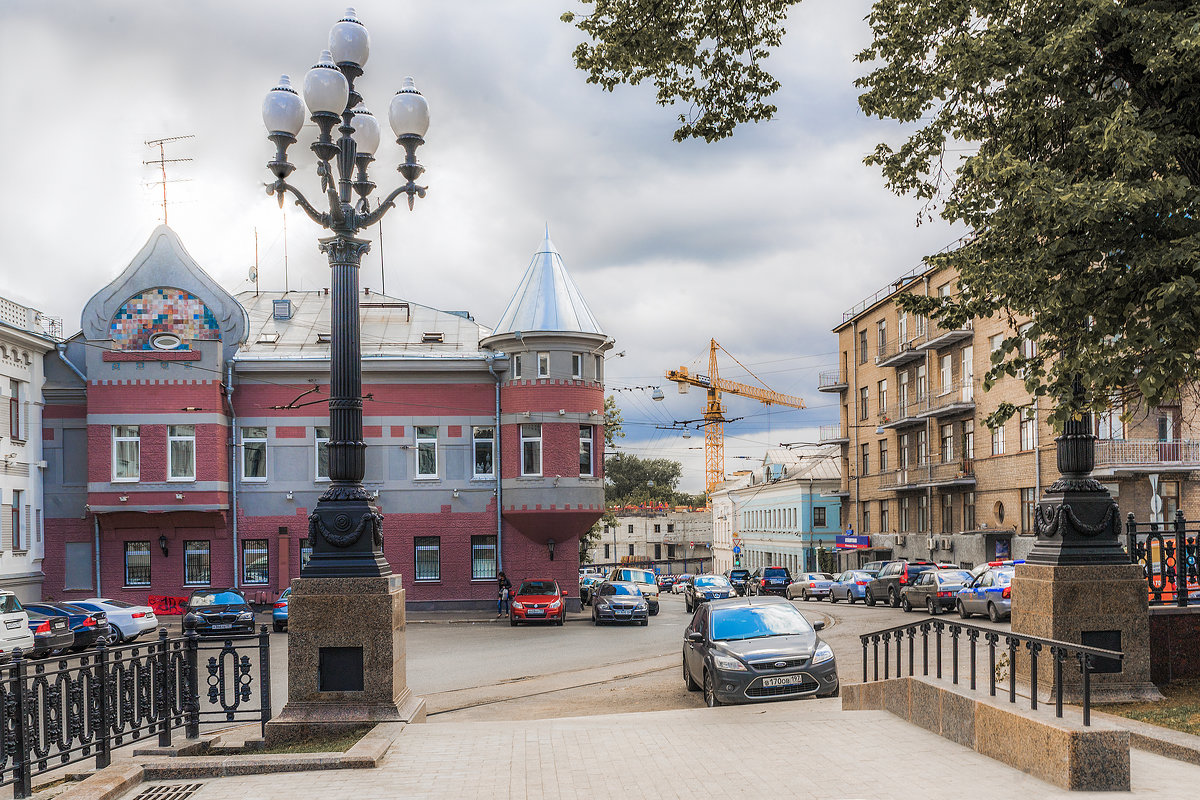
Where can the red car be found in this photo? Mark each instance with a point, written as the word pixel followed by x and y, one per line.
pixel 537 600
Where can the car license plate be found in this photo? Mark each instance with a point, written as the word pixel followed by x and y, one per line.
pixel 782 680
pixel 536 612
pixel 624 612
pixel 12 624
pixel 222 626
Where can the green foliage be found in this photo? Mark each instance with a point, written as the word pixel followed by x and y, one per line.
pixel 633 480
pixel 1065 135
pixel 612 422
pixel 705 54
pixel 592 537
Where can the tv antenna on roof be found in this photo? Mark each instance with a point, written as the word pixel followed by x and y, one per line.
pixel 162 162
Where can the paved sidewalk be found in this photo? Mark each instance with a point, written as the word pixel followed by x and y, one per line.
pixel 805 749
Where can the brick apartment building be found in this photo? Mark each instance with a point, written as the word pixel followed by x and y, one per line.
pixel 185 428
pixel 923 476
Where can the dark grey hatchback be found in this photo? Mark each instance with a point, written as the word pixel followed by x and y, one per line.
pixel 753 649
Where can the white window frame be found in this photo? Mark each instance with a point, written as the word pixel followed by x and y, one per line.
pixel 530 439
pixel 424 544
pixel 320 441
pixel 175 433
pixel 577 366
pixel 490 442
pixel 543 368
pixel 947 373
pixel 125 560
pixel 265 448
pixel 947 436
pixel 998 441
pixel 587 436
pixel 599 367
pixel 16 408
pixel 883 397
pixel 17 541
pixel 189 550
pixel 425 443
pixel 516 366
pixel 1028 428
pixel 136 439
pixel 480 550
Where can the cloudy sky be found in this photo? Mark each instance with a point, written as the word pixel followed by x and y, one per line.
pixel 760 241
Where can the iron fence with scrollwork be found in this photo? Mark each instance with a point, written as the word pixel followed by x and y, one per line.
pixel 1168 553
pixel 59 711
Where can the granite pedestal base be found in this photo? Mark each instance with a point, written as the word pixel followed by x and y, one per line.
pixel 1108 603
pixel 345 658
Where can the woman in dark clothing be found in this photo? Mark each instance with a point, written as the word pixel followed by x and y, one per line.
pixel 504 587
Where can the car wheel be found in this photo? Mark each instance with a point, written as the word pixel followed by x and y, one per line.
pixel 278 627
pixel 806 596
pixel 850 598
pixel 931 606
pixel 962 610
pixel 117 636
pixel 691 684
pixel 710 691
pixel 870 598
pixel 904 604
pixel 894 598
pixel 512 621
pixel 993 612
pixel 832 597
pixel 654 611
pixel 687 604
pixel 644 622
pixel 561 620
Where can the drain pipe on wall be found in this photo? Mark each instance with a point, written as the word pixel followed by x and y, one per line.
pixel 96 544
pixel 233 471
pixel 62 354
pixel 491 365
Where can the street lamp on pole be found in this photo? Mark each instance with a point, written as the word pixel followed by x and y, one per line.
pixel 345 530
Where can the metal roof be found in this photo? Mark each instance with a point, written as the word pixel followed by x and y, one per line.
pixel 388 327
pixel 547 299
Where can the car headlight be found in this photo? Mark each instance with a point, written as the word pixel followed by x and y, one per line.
pixel 556 604
pixel 517 606
pixel 729 663
pixel 246 615
pixel 824 653
pixel 641 606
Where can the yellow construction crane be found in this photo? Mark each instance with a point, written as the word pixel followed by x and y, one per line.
pixel 714 412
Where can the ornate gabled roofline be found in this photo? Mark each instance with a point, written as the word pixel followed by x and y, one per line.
pixel 164 262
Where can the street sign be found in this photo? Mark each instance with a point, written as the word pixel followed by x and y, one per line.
pixel 737 549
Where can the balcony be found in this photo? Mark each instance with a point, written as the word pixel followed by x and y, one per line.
pixel 936 337
pixel 904 414
pixel 953 399
pixel 948 473
pixel 832 381
pixel 1128 457
pixel 897 353
pixel 833 434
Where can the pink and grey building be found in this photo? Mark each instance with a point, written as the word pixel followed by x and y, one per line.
pixel 183 433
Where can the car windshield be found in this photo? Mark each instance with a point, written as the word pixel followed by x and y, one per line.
pixel 227 598
pixel 739 574
pixel 537 587
pixel 641 576
pixel 715 581
pixel 954 576
pixel 752 622
pixel 9 604
pixel 624 588
pixel 775 572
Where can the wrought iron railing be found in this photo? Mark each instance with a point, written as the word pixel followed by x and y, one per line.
pixel 831 378
pixel 59 711
pixel 829 433
pixel 1168 553
pixel 1014 644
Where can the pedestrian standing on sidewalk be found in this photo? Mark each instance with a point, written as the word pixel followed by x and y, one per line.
pixel 504 588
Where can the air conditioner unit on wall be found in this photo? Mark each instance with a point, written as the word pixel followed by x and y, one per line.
pixel 901 540
pixel 947 543
pixel 931 544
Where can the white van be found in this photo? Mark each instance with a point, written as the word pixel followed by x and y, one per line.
pixel 14 626
pixel 645 579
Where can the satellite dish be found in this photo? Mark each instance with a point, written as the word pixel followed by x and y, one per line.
pixel 254 273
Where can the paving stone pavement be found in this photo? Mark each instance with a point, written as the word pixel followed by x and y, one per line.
pixel 805 749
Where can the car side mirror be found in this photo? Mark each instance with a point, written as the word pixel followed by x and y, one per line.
pixel 818 626
pixel 565 593
pixel 695 636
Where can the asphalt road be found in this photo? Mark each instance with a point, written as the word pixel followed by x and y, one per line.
pixel 489 670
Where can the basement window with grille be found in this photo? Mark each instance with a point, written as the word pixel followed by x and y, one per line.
pixel 433 338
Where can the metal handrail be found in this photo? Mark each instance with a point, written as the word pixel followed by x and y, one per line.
pixel 1084 654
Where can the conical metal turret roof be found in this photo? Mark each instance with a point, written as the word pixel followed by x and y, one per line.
pixel 547 299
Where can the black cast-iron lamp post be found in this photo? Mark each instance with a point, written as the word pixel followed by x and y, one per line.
pixel 345 530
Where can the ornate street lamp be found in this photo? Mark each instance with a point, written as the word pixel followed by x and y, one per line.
pixel 345 530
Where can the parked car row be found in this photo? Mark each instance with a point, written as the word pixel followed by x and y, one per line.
pixel 48 628
pixel 909 584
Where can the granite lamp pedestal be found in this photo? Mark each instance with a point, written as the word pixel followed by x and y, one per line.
pixel 1077 585
pixel 345 658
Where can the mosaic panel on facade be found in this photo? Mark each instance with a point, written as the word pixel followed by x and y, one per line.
pixel 162 310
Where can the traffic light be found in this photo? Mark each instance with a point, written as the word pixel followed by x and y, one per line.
pixel 737 561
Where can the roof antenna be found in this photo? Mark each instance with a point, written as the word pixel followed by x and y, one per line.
pixel 162 162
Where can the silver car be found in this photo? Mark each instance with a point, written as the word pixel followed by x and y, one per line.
pixel 619 601
pixel 808 585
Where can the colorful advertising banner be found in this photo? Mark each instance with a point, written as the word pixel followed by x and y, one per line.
pixel 853 542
